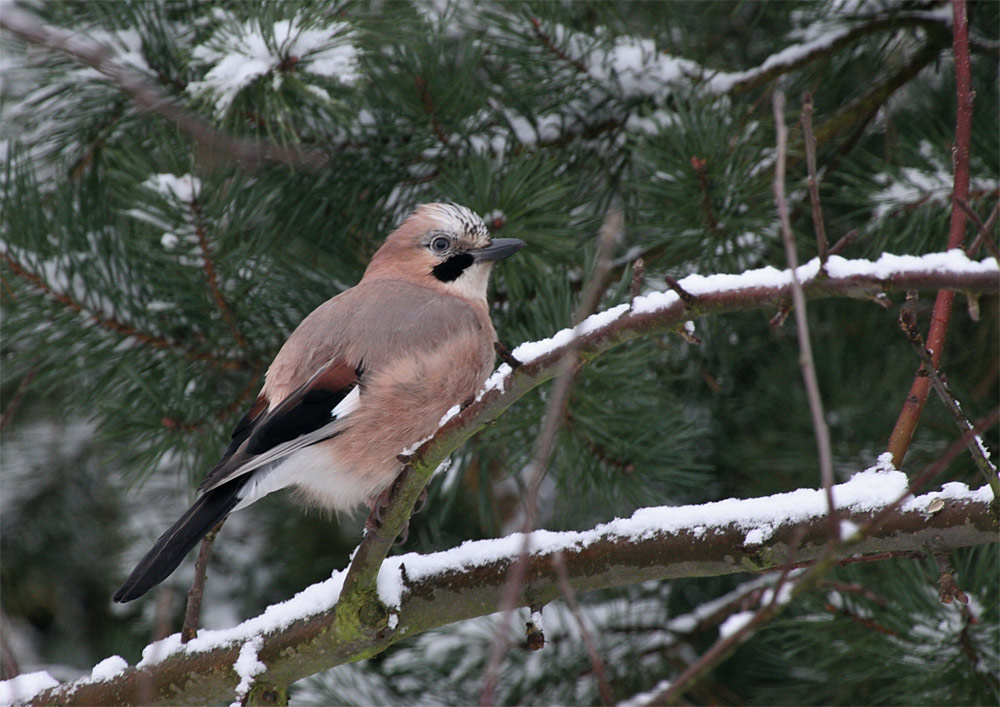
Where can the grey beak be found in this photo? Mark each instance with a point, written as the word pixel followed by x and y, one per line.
pixel 499 249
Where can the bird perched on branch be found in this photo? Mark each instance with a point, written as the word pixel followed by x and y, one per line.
pixel 365 375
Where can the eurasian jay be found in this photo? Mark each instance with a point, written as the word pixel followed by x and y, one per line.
pixel 365 375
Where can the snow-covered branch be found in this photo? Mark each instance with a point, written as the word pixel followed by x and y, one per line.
pixel 376 602
pixel 415 593
pixel 216 145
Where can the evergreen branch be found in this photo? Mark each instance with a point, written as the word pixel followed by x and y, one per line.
pixel 551 47
pixel 111 324
pixel 865 107
pixel 317 638
pixel 913 405
pixel 791 58
pixel 220 415
pixel 212 278
pixel 428 103
pixel 216 146
pixel 15 400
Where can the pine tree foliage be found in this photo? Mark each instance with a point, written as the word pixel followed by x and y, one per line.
pixel 150 275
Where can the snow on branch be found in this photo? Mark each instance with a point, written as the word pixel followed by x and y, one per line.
pixel 250 154
pixel 376 602
pixel 300 636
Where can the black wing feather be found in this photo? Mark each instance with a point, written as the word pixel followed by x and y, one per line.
pixel 177 542
pixel 306 410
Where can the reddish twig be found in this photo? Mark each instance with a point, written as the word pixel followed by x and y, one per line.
pixel 930 471
pixel 505 355
pixel 806 359
pixel 867 622
pixel 429 109
pixel 854 588
pixel 211 276
pixel 817 213
pixel 17 397
pixel 700 167
pixel 902 433
pixel 553 49
pixel 8 661
pixel 686 297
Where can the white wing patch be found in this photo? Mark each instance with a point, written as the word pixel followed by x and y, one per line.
pixel 348 405
pixel 338 416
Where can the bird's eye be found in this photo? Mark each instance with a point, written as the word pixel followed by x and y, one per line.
pixel 440 244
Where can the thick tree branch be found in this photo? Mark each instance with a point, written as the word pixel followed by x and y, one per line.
pixel 366 619
pixel 653 314
pixel 650 545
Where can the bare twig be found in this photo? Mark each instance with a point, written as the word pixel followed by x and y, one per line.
pixel 801 321
pixel 595 660
pixel 638 273
pixel 811 577
pixel 216 146
pixel 902 433
pixel 555 409
pixel 930 471
pixel 162 611
pixel 505 355
pixel 846 240
pixel 983 236
pixel 726 644
pixel 192 613
pixel 685 296
pixel 817 212
pixel 908 323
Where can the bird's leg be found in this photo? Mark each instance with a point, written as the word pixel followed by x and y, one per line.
pixel 378 504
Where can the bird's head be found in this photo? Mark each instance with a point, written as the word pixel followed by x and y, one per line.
pixel 445 246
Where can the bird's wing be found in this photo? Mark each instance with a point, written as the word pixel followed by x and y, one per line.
pixel 315 411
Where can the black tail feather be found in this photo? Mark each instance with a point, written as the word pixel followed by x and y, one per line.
pixel 174 545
